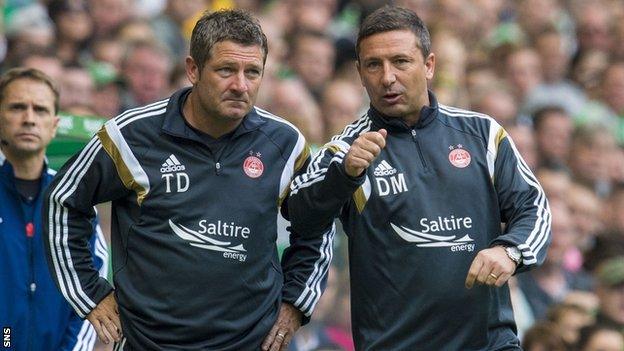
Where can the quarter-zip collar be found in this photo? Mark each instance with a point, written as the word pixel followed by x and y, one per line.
pixel 393 124
pixel 175 125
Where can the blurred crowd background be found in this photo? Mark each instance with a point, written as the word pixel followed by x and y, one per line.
pixel 550 71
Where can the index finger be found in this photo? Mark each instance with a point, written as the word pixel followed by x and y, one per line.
pixel 376 138
pixel 473 272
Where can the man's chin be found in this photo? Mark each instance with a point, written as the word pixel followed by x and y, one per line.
pixel 394 111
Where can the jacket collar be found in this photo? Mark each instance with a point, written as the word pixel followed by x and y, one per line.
pixel 175 125
pixel 427 115
pixel 7 174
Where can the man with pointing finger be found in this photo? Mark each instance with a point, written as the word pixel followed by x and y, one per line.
pixel 422 190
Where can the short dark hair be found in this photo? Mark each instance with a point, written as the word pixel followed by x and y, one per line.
pixel 29 73
pixel 234 25
pixel 540 115
pixel 389 18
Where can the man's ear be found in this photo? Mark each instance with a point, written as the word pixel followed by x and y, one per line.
pixel 358 67
pixel 430 66
pixel 192 70
pixel 55 125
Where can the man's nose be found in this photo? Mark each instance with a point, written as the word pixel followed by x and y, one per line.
pixel 28 117
pixel 389 76
pixel 239 83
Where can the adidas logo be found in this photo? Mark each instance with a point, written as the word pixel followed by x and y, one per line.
pixel 384 169
pixel 172 165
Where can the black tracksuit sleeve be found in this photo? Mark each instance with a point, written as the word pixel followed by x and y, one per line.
pixel 306 261
pixel 523 204
pixel 318 195
pixel 86 179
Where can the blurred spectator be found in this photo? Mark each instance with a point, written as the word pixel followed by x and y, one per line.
pixel 108 50
pixel 523 71
pixel 136 31
pixel 555 182
pixel 108 15
pixel 146 68
pixel 612 94
pixel 610 291
pixel 30 29
pixel 551 282
pixel 593 26
pixel 450 75
pixel 553 134
pixel 600 338
pixel 76 87
pixel 533 15
pixel 543 336
pixel 312 58
pixel 586 209
pixel 615 212
pixel 569 319
pixel 524 139
pixel 46 61
pixel 588 157
pixel 168 24
pixel 497 102
pixel 73 28
pixel 311 15
pixel 341 104
pixel 556 89
pixel 588 70
pixel 107 100
pixel 291 99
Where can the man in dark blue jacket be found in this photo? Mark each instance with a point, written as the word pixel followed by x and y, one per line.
pixel 422 190
pixel 32 310
pixel 197 182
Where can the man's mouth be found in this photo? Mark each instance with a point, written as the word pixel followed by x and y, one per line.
pixel 28 135
pixel 391 98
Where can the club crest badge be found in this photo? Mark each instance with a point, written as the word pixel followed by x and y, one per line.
pixel 459 157
pixel 253 167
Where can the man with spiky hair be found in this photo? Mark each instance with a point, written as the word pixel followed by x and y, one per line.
pixel 422 189
pixel 196 182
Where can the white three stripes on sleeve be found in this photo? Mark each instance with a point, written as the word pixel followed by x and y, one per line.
pixel 312 291
pixel 539 235
pixel 58 217
pixel 315 173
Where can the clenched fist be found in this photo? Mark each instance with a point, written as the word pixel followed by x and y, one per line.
pixel 364 151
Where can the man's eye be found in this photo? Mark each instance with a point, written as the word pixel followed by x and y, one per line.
pixel 372 65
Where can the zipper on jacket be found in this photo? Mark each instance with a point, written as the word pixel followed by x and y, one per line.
pixel 420 155
pixel 32 286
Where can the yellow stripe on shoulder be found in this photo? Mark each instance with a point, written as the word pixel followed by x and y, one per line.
pixel 125 174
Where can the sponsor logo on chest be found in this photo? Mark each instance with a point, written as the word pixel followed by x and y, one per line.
pixel 215 236
pixel 432 233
